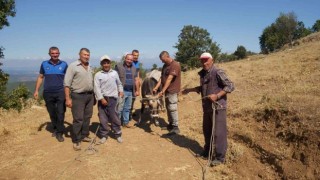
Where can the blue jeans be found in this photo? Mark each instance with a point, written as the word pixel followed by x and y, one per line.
pixel 124 107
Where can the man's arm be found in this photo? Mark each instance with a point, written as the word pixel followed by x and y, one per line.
pixel 155 89
pixel 38 85
pixel 68 98
pixel 137 85
pixel 166 85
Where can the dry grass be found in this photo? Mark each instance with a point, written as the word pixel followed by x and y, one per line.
pixel 273 126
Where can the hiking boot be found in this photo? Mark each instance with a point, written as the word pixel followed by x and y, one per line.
pixel 76 146
pixel 102 140
pixel 59 137
pixel 174 130
pixel 215 163
pixel 86 139
pixel 119 139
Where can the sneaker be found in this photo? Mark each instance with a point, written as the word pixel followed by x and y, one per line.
pixel 86 139
pixel 76 146
pixel 102 140
pixel 174 130
pixel 215 163
pixel 59 137
pixel 119 139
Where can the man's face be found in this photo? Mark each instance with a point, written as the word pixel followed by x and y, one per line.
pixel 84 56
pixel 128 60
pixel 206 63
pixel 106 65
pixel 135 56
pixel 164 58
pixel 54 54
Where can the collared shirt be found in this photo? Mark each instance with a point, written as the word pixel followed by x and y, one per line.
pixel 53 75
pixel 79 79
pixel 107 84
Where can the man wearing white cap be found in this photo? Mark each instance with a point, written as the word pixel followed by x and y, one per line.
pixel 107 88
pixel 214 86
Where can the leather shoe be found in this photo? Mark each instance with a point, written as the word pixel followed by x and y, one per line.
pixel 59 137
pixel 203 154
pixel 174 130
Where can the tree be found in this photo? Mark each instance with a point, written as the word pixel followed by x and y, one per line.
pixel 284 30
pixel 7 8
pixel 241 52
pixel 154 66
pixel 301 31
pixel 316 26
pixel 192 42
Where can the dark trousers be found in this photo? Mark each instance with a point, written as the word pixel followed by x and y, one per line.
pixel 219 147
pixel 82 109
pixel 55 103
pixel 108 114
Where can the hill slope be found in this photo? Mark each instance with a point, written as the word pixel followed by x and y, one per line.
pixel 273 125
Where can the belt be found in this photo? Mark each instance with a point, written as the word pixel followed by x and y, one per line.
pixel 87 92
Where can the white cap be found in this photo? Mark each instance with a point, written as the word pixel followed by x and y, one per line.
pixel 105 57
pixel 205 56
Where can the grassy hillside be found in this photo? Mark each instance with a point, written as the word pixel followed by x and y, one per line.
pixel 273 130
pixel 274 111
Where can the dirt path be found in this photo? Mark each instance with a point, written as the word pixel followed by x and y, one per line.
pixel 146 153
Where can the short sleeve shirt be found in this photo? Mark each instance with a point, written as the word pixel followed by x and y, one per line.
pixel 173 69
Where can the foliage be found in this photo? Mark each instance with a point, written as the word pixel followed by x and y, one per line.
pixel 154 66
pixel 192 42
pixel 301 31
pixel 225 57
pixel 16 99
pixel 143 72
pixel 284 30
pixel 316 26
pixel 7 8
pixel 241 52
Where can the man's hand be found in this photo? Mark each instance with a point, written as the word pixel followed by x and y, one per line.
pixel 35 95
pixel 121 94
pixel 69 103
pixel 137 93
pixel 213 97
pixel 154 90
pixel 104 102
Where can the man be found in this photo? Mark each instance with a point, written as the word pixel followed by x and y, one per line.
pixel 129 79
pixel 52 73
pixel 107 88
pixel 78 85
pixel 214 86
pixel 136 64
pixel 171 84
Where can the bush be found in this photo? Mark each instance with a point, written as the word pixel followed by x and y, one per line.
pixel 17 98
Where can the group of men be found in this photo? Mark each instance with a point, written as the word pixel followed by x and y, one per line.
pixel 115 90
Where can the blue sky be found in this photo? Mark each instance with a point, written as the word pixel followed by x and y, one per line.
pixel 114 27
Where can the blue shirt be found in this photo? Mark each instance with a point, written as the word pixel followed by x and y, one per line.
pixel 136 64
pixel 54 75
pixel 107 84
